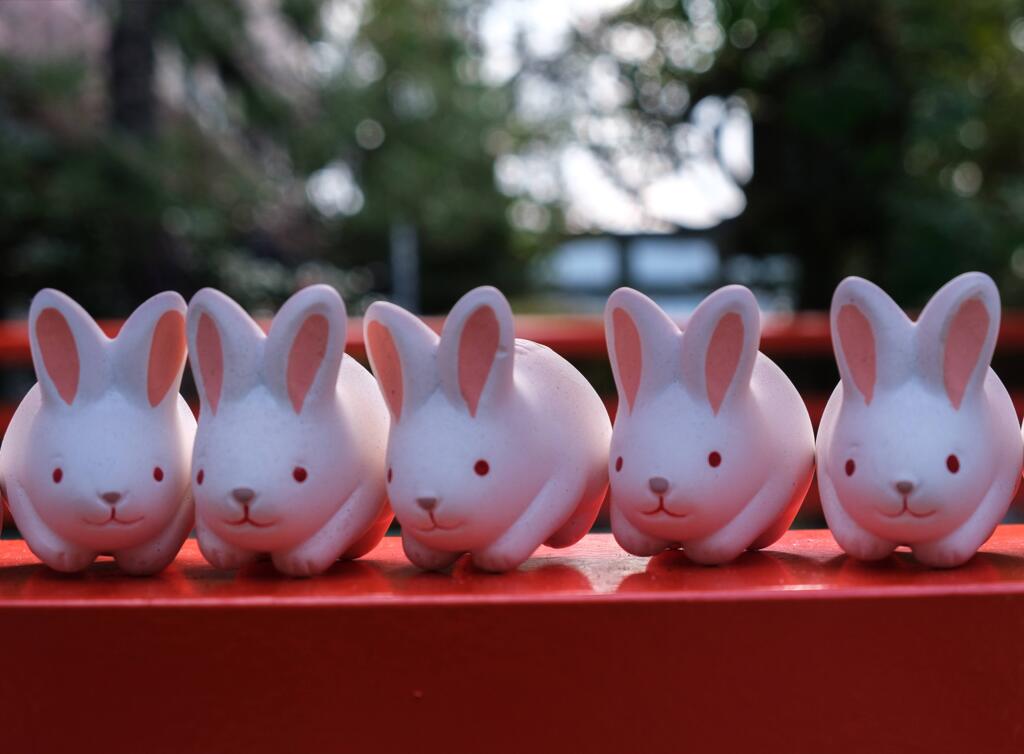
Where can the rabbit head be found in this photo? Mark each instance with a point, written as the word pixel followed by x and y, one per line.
pixel 686 452
pixel 274 455
pixel 910 454
pixel 109 453
pixel 462 463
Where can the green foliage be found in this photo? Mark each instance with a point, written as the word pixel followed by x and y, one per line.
pixel 217 193
pixel 887 133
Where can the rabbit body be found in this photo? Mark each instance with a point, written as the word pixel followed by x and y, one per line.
pixel 713 449
pixel 289 454
pixel 497 445
pixel 96 458
pixel 919 444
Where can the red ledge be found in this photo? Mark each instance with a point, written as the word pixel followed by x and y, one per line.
pixel 802 565
pixel 795 649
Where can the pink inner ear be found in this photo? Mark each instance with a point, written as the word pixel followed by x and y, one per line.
pixel 166 355
pixel 211 360
pixel 858 343
pixel 387 365
pixel 723 357
pixel 964 340
pixel 60 354
pixel 305 358
pixel 628 354
pixel 478 346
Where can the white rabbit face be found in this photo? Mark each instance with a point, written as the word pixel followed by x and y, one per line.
pixel 909 467
pixel 458 481
pixel 110 450
pixel 273 458
pixel 113 474
pixel 687 450
pixel 463 462
pixel 910 455
pixel 264 478
pixel 702 470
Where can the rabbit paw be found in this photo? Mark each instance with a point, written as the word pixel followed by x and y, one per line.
pixel 224 556
pixel 943 554
pixel 498 559
pixel 301 564
pixel 143 561
pixel 427 558
pixel 712 553
pixel 70 560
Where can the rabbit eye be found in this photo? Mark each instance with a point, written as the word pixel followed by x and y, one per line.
pixel 953 464
pixel 199 477
pixel 57 475
pixel 158 473
pixel 850 467
pixel 390 475
pixel 714 458
pixel 299 474
pixel 481 467
pixel 618 463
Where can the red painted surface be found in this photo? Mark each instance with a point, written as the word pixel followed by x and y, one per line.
pixel 795 649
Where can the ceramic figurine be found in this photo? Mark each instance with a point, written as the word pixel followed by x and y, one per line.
pixel 96 458
pixel 497 445
pixel 713 449
pixel 919 444
pixel 289 454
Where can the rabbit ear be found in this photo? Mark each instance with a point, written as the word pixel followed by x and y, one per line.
pixel 720 343
pixel 224 347
pixel 403 354
pixel 476 352
pixel 69 351
pixel 956 335
pixel 150 351
pixel 305 345
pixel 871 337
pixel 643 345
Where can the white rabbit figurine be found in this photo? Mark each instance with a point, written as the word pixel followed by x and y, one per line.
pixel 919 444
pixel 497 445
pixel 713 449
pixel 289 454
pixel 96 458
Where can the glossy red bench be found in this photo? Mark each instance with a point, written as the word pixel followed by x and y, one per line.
pixel 795 649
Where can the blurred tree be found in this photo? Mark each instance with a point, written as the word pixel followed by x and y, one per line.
pixel 887 137
pixel 252 145
pixel 260 144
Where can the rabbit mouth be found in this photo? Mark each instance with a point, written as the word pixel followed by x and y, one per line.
pixel 662 509
pixel 435 524
pixel 907 509
pixel 113 519
pixel 247 519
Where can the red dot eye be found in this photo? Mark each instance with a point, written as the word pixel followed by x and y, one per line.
pixel 481 467
pixel 953 464
pixel 299 474
pixel 618 463
pixel 850 467
pixel 199 477
pixel 390 475
pixel 714 458
pixel 158 473
pixel 57 475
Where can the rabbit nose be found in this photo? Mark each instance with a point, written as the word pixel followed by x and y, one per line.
pixel 111 497
pixel 242 494
pixel 904 487
pixel 658 484
pixel 427 503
